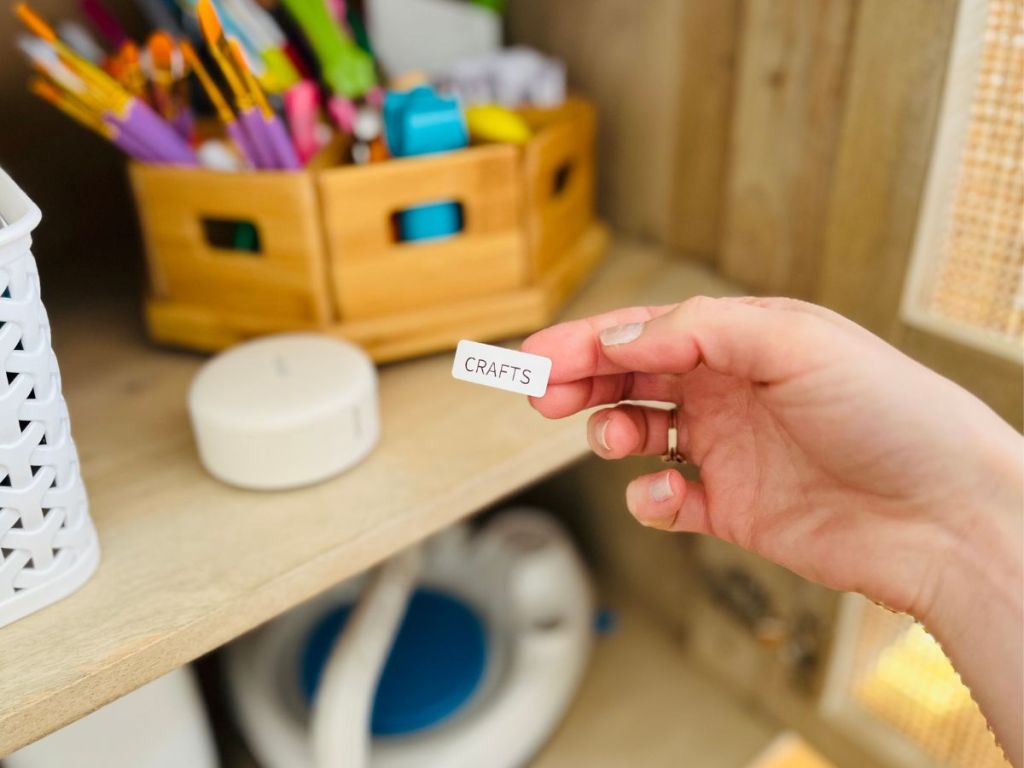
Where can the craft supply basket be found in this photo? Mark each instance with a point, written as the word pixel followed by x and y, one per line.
pixel 48 546
pixel 235 255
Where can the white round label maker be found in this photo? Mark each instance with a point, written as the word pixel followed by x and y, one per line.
pixel 284 411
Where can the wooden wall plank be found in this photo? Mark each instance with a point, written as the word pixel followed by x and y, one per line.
pixel 898 67
pixel 789 102
pixel 659 72
pixel 703 110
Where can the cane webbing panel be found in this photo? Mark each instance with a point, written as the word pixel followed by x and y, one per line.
pixel 981 260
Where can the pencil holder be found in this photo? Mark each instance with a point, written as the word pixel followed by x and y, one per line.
pixel 237 255
pixel 48 546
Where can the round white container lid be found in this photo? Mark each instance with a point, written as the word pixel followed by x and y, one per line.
pixel 284 411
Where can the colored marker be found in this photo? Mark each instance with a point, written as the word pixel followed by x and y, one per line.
pixel 346 68
pixel 301 104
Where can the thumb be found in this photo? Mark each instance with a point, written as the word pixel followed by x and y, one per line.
pixel 729 335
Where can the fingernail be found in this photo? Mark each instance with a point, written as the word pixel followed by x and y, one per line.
pixel 621 334
pixel 599 434
pixel 661 489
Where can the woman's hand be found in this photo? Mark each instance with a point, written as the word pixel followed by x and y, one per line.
pixel 820 447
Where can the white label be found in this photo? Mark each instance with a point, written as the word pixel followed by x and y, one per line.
pixel 501 368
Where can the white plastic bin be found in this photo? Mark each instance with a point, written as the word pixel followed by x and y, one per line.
pixel 163 724
pixel 48 545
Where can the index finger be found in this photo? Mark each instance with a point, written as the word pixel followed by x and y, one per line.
pixel 575 349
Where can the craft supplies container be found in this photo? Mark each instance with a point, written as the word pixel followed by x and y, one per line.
pixel 48 546
pixel 236 255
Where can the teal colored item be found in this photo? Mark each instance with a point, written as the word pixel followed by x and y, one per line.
pixel 435 666
pixel 246 238
pixel 429 222
pixel 422 122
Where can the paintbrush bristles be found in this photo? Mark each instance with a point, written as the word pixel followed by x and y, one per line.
pixel 74 109
pixel 35 23
pixel 105 87
pixel 161 50
pixel 48 91
pixel 209 21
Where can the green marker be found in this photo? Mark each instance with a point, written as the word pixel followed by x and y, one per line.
pixel 347 69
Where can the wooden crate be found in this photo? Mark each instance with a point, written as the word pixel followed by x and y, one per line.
pixel 559 174
pixel 207 296
pixel 375 275
pixel 329 260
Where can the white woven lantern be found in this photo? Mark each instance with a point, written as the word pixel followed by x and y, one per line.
pixel 48 546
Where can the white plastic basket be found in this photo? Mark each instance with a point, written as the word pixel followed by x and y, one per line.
pixel 48 546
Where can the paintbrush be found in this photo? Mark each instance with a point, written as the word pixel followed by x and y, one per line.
pixel 273 128
pixel 46 60
pixel 125 67
pixel 166 73
pixel 159 49
pixel 234 130
pixel 124 111
pixel 264 34
pixel 84 115
pixel 81 41
pixel 248 114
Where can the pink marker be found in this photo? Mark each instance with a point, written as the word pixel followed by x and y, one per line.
pixel 301 104
pixel 343 111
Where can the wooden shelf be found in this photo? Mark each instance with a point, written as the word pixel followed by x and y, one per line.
pixel 189 563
